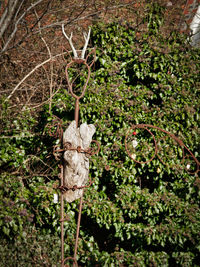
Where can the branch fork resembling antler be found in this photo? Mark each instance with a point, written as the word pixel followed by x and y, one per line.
pixel 86 37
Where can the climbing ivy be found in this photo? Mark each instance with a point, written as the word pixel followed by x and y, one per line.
pixel 133 214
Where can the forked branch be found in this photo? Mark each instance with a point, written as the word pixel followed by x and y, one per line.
pixel 70 41
pixel 86 37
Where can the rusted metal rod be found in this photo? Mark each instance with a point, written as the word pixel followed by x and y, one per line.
pixel 76 114
pixel 81 200
pixel 79 61
pixel 62 218
pixel 77 231
pixel 76 118
pixel 156 150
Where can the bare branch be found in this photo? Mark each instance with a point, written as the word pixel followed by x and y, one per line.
pixel 70 41
pixel 51 65
pixel 16 25
pixel 32 71
pixel 18 10
pixel 48 49
pixel 59 23
pixel 27 34
pixel 86 37
pixel 7 16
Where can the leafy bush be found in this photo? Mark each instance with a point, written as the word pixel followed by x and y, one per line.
pixel 133 214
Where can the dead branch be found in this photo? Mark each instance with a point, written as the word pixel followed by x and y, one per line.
pixel 59 23
pixel 51 64
pixel 7 16
pixel 86 37
pixel 70 41
pixel 32 71
pixel 10 38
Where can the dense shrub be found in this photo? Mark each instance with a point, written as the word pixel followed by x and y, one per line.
pixel 133 214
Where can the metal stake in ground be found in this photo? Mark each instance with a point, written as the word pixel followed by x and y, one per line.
pixel 77 60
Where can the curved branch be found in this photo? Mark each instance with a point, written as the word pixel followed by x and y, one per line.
pixel 32 71
pixel 70 41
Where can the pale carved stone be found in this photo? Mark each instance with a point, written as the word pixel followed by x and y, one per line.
pixel 76 165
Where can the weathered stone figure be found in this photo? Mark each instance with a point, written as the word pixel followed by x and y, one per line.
pixel 76 164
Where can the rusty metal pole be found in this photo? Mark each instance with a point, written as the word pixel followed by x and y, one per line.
pixel 77 230
pixel 78 60
pixel 56 151
pixel 62 219
pixel 81 200
pixel 76 115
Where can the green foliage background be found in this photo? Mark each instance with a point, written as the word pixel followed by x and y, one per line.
pixel 133 215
